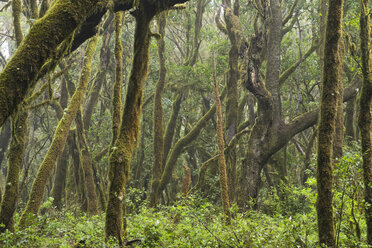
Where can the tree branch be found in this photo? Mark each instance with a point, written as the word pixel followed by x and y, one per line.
pixel 310 118
pixel 290 13
pixel 285 75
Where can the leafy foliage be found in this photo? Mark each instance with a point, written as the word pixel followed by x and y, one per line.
pixel 286 218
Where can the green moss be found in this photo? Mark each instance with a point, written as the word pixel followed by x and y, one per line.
pixel 20 73
pixel 327 122
pixel 17 9
pixel 124 145
pixel 15 158
pixel 116 121
pixel 365 113
pixel 158 115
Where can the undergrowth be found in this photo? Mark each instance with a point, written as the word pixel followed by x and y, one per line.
pixel 286 217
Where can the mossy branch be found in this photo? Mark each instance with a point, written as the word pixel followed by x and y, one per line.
pixel 21 72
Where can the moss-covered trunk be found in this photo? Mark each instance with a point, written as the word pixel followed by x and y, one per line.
pixel 258 151
pixel 157 168
pixel 327 122
pixel 62 162
pixel 221 157
pixel 349 120
pixel 15 158
pixel 116 106
pixel 4 139
pixel 365 113
pixel 59 138
pixel 264 132
pixel 234 32
pixel 40 44
pixel 338 142
pixel 100 78
pixel 86 164
pixel 17 144
pixel 171 126
pixel 124 145
pixel 60 179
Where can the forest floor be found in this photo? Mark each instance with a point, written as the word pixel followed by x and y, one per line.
pixel 192 222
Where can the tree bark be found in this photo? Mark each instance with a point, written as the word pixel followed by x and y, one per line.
pixel 60 178
pixel 157 168
pixel 116 106
pixel 221 158
pixel 326 128
pixel 121 155
pixel 21 72
pixel 365 116
pixel 4 139
pixel 86 163
pixel 234 32
pixel 15 158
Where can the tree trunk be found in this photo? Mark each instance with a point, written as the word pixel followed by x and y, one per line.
pixel 221 157
pixel 327 122
pixel 158 143
pixel 234 32
pixel 365 116
pixel 121 155
pixel 60 178
pixel 116 106
pixel 338 143
pixel 59 139
pixel 4 140
pixel 62 162
pixel 87 166
pixel 22 70
pixel 15 158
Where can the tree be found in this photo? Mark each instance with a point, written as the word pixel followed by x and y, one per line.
pixel 59 139
pixel 17 143
pixel 365 116
pixel 327 121
pixel 40 45
pixel 121 156
pixel 158 114
pixel 221 147
pixel 163 148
